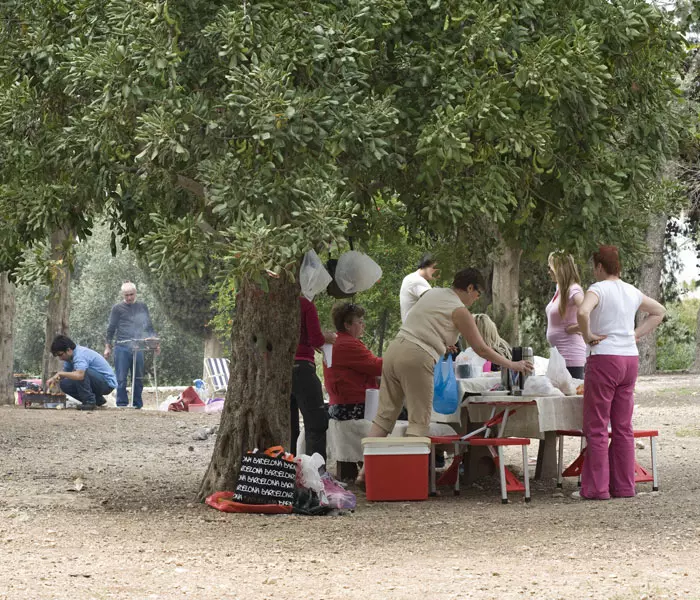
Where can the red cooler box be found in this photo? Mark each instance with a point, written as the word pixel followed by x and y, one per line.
pixel 396 468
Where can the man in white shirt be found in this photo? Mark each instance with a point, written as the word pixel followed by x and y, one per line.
pixel 416 284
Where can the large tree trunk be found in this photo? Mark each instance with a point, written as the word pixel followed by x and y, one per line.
pixel 265 334
pixel 7 319
pixel 650 284
pixel 58 314
pixel 506 290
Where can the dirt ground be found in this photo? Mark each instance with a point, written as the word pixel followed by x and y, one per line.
pixel 134 531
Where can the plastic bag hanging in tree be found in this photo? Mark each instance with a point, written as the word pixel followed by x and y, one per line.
pixel 313 277
pixel 356 272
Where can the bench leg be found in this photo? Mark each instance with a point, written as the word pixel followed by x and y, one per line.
pixel 560 461
pixel 583 445
pixel 456 454
pixel 655 484
pixel 502 473
pixel 526 474
pixel 433 485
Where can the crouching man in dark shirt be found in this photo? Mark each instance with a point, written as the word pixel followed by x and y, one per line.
pixel 86 375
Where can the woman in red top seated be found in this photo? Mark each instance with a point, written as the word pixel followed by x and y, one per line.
pixel 353 369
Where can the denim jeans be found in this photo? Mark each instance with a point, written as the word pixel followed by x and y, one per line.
pixel 123 363
pixel 86 390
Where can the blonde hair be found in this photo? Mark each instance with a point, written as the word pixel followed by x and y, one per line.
pixel 489 332
pixel 566 274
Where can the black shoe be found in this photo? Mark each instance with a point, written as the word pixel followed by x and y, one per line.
pixel 87 407
pixel 100 401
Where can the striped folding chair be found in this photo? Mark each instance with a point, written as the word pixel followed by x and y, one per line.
pixel 216 374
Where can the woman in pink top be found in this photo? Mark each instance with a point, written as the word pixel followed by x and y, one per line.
pixel 562 329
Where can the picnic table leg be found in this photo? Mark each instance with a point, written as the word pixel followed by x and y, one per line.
pixel 479 462
pixel 547 456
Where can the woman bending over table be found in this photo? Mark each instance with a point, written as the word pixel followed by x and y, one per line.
pixel 606 318
pixel 563 332
pixel 354 369
pixel 433 324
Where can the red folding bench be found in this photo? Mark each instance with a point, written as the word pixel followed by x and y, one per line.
pixel 641 475
pixel 509 482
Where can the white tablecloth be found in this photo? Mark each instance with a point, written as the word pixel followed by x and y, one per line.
pixel 474 385
pixel 549 413
pixel 344 438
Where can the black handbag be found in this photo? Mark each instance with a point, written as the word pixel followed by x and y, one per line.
pixel 267 477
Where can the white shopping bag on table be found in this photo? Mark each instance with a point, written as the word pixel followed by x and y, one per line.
pixel 558 374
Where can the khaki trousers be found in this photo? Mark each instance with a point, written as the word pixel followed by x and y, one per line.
pixel 407 374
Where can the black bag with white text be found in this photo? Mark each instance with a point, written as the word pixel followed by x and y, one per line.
pixel 267 477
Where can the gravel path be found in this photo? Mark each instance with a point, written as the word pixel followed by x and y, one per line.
pixel 133 531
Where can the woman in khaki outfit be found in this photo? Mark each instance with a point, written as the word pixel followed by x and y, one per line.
pixel 433 325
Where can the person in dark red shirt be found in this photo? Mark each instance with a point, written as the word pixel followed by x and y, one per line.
pixel 354 369
pixel 307 395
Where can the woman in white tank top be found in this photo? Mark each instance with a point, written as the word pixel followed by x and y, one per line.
pixel 606 319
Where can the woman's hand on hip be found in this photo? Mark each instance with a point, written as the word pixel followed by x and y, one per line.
pixel 594 340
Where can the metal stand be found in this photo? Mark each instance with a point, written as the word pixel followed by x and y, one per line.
pixel 141 345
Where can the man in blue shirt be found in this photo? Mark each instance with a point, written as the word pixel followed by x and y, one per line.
pixel 128 321
pixel 86 375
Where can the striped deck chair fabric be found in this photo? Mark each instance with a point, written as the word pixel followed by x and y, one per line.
pixel 216 374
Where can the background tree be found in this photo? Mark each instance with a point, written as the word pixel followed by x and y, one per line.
pixel 7 311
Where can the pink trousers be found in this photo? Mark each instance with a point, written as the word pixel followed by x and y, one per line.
pixel 608 397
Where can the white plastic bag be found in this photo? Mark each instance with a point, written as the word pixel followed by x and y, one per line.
pixel 540 386
pixel 167 402
pixel 313 277
pixel 558 375
pixel 473 360
pixel 541 364
pixel 309 475
pixel 356 272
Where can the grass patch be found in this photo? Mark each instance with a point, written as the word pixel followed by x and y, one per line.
pixel 688 432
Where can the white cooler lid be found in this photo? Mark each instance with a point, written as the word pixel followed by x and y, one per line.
pixel 395 445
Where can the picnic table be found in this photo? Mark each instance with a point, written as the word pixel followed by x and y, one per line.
pixel 537 417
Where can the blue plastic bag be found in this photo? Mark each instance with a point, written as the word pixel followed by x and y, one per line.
pixel 446 394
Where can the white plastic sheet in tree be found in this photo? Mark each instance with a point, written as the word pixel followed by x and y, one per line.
pixel 356 272
pixel 313 277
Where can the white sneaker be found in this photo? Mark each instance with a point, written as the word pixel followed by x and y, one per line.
pixel 577 495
